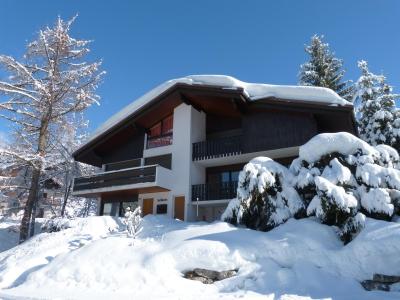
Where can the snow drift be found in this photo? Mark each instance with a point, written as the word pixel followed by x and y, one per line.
pixel 301 259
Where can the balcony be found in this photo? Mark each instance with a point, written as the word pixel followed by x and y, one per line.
pixel 215 148
pixel 159 141
pixel 154 178
pixel 214 191
pixel 126 164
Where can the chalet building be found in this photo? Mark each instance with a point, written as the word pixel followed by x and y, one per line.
pixel 178 149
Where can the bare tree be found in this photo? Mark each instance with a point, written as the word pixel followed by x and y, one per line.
pixel 43 92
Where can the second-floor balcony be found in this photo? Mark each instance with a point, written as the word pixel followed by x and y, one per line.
pixel 220 147
pixel 151 178
pixel 159 141
pixel 214 191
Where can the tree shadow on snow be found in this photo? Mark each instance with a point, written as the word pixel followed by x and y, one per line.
pixel 23 276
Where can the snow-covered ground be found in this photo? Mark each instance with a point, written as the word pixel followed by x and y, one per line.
pixel 300 259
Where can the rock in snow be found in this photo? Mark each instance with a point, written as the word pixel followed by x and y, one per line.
pixel 209 276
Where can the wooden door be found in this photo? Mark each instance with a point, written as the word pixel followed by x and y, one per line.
pixel 147 206
pixel 179 208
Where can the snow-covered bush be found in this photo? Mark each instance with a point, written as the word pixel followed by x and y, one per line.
pixel 337 177
pixel 266 197
pixel 341 178
pixel 56 224
pixel 133 221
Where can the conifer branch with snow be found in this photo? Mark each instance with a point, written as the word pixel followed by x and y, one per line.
pixel 324 69
pixel 377 115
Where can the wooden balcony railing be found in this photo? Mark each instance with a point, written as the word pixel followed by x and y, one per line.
pixel 126 164
pixel 217 148
pixel 116 178
pixel 214 191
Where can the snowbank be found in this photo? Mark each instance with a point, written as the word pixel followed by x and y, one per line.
pixel 253 91
pixel 301 259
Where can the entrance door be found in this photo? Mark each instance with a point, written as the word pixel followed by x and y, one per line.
pixel 147 206
pixel 179 208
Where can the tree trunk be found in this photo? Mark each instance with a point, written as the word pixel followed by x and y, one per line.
pixel 66 195
pixel 33 217
pixel 33 191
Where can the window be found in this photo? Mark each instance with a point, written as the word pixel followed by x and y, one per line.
pixel 225 176
pixel 162 209
pixel 235 175
pixel 161 133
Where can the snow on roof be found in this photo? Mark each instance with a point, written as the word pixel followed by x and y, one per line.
pixel 254 91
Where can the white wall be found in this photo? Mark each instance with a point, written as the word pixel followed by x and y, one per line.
pixel 189 127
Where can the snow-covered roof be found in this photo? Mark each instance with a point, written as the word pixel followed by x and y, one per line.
pixel 253 91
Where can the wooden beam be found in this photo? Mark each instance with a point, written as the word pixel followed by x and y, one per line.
pixel 187 101
pixel 239 105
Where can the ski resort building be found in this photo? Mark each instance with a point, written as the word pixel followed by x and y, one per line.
pixel 178 149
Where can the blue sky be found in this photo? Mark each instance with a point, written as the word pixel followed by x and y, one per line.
pixel 144 43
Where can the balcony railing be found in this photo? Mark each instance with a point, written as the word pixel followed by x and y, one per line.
pixel 214 191
pixel 217 148
pixel 159 141
pixel 126 164
pixel 116 178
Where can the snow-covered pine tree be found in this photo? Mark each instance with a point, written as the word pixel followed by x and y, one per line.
pixel 378 118
pixel 41 93
pixel 324 69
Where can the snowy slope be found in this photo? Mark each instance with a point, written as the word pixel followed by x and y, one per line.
pixel 300 259
pixel 253 91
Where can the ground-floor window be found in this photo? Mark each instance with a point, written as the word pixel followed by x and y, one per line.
pixel 117 209
pixel 162 209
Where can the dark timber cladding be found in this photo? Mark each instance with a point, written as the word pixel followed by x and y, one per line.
pixel 287 120
pixel 116 178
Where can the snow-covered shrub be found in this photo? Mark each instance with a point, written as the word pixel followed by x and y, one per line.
pixel 340 177
pixel 337 177
pixel 55 224
pixel 233 212
pixel 266 197
pixel 133 221
pixel 352 227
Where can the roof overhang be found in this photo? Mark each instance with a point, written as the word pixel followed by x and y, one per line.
pixel 207 98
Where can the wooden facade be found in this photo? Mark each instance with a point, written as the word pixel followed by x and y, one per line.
pixel 234 126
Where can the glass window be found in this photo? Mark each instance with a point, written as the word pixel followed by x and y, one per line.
pixel 162 209
pixel 235 175
pixel 107 209
pixel 111 209
pixel 225 176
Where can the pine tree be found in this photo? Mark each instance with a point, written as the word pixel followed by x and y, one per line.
pixel 324 69
pixel 378 118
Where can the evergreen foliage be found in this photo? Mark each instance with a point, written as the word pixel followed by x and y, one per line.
pixel 339 187
pixel 378 118
pixel 324 69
